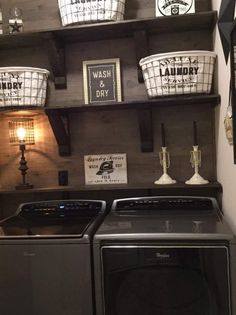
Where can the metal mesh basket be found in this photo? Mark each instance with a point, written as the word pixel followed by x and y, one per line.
pixel 21 86
pixel 85 11
pixel 184 72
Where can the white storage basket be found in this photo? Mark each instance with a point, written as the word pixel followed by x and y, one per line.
pixel 85 11
pixel 23 86
pixel 183 72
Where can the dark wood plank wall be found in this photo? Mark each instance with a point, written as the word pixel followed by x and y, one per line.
pixel 103 131
pixel 44 14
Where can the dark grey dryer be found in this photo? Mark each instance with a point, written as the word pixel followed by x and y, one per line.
pixel 45 258
pixel 163 256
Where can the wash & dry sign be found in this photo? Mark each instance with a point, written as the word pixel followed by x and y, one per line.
pixel 102 82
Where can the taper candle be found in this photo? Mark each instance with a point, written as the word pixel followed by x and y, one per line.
pixel 195 142
pixel 163 138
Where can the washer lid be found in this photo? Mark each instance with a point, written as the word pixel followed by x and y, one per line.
pixel 52 218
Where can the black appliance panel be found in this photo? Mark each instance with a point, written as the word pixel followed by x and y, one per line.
pixel 52 218
pixel 173 205
pixel 166 280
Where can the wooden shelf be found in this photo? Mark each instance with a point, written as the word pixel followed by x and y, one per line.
pixel 151 189
pixel 109 192
pixel 111 30
pixel 75 106
pixel 59 115
pixel 174 100
pixel 54 40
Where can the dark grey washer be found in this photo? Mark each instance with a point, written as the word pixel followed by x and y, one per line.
pixel 135 225
pixel 45 258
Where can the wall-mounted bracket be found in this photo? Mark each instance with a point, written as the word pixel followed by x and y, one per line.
pixel 141 48
pixel 145 127
pixel 56 54
pixel 60 128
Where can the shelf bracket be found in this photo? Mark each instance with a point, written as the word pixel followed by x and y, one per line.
pixel 141 48
pixel 145 127
pixel 56 54
pixel 60 127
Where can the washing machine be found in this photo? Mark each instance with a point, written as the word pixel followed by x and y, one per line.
pixel 45 258
pixel 164 256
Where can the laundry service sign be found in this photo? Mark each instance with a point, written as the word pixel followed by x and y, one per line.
pixel 102 81
pixel 174 7
pixel 105 169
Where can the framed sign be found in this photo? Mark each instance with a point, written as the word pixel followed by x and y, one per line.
pixel 105 169
pixel 102 81
pixel 174 7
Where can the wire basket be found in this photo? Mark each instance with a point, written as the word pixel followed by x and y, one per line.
pixel 23 86
pixel 85 11
pixel 183 72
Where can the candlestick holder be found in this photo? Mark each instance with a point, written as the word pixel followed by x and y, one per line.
pixel 165 179
pixel 195 160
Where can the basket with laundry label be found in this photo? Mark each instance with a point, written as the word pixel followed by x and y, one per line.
pixel 86 11
pixel 183 72
pixel 23 86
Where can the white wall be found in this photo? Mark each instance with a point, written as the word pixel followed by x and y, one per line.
pixel 226 170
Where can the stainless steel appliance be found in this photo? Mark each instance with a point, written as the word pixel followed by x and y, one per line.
pixel 45 258
pixel 163 256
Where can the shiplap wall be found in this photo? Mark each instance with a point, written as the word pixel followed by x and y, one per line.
pixel 103 131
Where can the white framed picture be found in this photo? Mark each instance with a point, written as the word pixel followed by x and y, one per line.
pixel 174 7
pixel 105 169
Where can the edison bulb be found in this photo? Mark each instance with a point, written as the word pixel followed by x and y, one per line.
pixel 21 133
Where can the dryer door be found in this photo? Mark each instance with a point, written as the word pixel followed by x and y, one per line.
pixel 166 280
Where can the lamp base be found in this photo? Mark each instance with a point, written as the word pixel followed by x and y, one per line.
pixel 24 186
pixel 165 179
pixel 196 179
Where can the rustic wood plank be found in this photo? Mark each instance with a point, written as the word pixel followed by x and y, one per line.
pixel 113 131
pixel 42 14
pixel 198 99
pixel 145 128
pixel 105 188
pixel 141 48
pixel 107 129
pixel 56 53
pixel 61 131
pixel 111 30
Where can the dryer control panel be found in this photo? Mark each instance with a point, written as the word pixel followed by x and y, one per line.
pixel 163 204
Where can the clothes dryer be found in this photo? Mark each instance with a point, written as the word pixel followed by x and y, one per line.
pixel 163 256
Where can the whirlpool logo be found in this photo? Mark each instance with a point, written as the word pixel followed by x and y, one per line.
pixel 163 255
pixel 29 254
